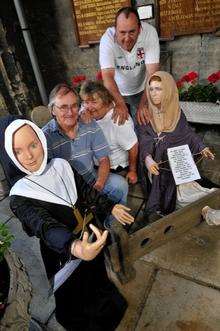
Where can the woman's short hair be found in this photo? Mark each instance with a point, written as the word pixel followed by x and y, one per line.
pixel 89 88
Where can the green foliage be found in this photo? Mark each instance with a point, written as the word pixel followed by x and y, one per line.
pixel 201 93
pixel 5 239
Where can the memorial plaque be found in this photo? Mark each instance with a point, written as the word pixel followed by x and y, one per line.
pixel 93 17
pixel 183 17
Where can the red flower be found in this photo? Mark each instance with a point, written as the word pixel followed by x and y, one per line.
pixel 99 75
pixel 191 76
pixel 185 78
pixel 213 78
pixel 77 80
pixel 179 83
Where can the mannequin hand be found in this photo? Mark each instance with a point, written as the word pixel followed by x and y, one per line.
pixel 142 115
pixel 131 177
pixel 154 169
pixel 87 251
pixel 121 214
pixel 207 153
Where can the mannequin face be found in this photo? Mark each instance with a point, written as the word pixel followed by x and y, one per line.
pixel 156 93
pixel 28 148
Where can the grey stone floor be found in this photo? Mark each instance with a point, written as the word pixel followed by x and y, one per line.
pixel 177 287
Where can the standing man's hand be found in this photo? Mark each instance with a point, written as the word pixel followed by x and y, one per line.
pixel 120 113
pixel 143 116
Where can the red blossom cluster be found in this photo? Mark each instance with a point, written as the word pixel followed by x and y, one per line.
pixel 213 78
pixel 192 76
pixel 78 80
pixel 190 89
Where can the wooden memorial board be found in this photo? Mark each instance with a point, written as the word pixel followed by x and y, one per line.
pixel 183 17
pixel 93 17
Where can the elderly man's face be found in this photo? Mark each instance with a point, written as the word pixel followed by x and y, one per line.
pixel 65 109
pixel 127 30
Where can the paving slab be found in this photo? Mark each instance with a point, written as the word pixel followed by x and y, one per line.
pixel 136 292
pixel 27 248
pixel 195 255
pixel 178 304
pixel 53 325
pixel 5 211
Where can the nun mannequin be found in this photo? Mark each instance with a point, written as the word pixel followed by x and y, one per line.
pixel 167 128
pixel 45 201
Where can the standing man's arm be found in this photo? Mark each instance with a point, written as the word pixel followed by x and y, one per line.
pixel 103 172
pixel 142 111
pixel 132 161
pixel 121 110
pixel 107 64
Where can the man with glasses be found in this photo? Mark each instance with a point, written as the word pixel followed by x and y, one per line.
pixel 81 143
pixel 129 53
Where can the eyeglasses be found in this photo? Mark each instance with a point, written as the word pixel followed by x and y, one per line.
pixel 65 108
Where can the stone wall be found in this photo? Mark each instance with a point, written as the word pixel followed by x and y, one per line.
pixel 197 52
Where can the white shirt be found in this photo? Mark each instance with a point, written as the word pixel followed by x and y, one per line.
pixel 130 67
pixel 121 138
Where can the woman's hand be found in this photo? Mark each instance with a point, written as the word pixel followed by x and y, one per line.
pixel 131 177
pixel 154 169
pixel 85 250
pixel 86 117
pixel 99 185
pixel 207 153
pixel 121 214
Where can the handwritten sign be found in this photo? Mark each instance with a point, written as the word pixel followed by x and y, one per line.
pixel 182 17
pixel 93 17
pixel 182 164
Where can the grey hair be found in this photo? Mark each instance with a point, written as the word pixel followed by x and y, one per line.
pixel 61 90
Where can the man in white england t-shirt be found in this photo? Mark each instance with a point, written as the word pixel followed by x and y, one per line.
pixel 128 54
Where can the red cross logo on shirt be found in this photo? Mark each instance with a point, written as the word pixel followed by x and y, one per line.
pixel 140 53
